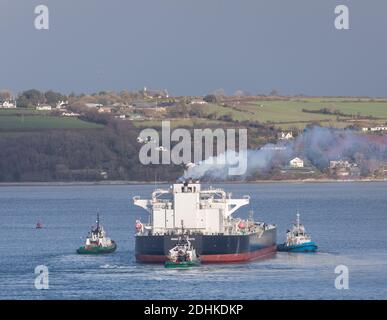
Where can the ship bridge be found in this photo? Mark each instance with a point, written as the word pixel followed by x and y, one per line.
pixel 206 211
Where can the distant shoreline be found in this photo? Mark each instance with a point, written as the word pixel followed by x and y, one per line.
pixel 121 182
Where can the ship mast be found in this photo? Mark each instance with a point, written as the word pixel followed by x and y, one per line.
pixel 251 215
pixel 298 220
pixel 182 227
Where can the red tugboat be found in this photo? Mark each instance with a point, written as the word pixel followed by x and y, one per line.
pixel 208 220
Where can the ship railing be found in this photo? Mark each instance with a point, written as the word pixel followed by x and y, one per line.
pixel 176 232
pixel 159 192
pixel 220 192
pixel 208 203
pixel 162 203
pixel 218 200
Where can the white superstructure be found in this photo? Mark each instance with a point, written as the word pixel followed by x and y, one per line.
pixel 297 235
pixel 206 211
pixel 183 251
pixel 97 237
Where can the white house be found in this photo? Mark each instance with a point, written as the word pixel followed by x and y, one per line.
pixel 61 104
pixel 155 93
pixel 285 135
pixel 374 129
pixel 296 163
pixel 44 107
pixel 8 104
pixel 198 102
pixel 382 128
pixel 70 114
pixel 93 105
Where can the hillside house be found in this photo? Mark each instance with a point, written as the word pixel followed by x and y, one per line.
pixel 104 110
pixel 61 104
pixel 7 104
pixel 285 135
pixel 155 93
pixel 343 169
pixel 201 102
pixel 339 163
pixel 383 170
pixel 375 129
pixel 296 163
pixel 70 114
pixel 93 105
pixel 43 107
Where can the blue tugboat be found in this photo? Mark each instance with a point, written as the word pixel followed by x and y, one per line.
pixel 297 240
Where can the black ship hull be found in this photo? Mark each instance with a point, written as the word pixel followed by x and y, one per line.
pixel 210 248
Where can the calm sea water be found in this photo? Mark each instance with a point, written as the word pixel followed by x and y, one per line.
pixel 347 220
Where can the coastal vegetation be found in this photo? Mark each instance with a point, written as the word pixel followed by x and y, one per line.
pixel 91 137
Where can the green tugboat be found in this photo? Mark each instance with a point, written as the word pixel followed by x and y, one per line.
pixel 97 242
pixel 183 255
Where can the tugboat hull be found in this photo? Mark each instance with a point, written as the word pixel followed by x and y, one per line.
pixel 210 248
pixel 97 249
pixel 305 247
pixel 181 265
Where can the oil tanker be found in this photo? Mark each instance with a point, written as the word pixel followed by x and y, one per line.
pixel 206 216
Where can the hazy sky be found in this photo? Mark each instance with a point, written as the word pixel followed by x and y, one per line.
pixel 195 46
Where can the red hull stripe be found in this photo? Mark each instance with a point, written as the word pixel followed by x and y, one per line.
pixel 216 258
pixel 239 257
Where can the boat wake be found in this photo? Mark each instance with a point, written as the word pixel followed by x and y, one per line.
pixel 108 266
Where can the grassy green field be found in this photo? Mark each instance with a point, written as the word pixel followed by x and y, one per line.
pixel 25 111
pixel 289 113
pixel 286 113
pixel 178 123
pixel 29 122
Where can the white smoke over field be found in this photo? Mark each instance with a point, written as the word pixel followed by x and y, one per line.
pixel 317 146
